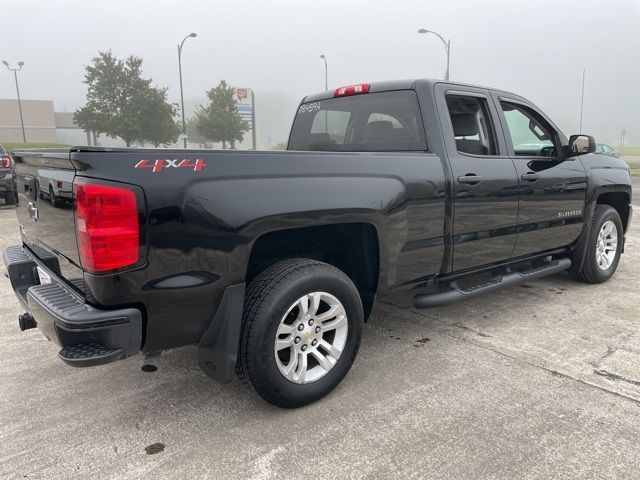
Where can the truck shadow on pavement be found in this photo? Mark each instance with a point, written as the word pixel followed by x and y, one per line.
pixel 550 321
pixel 546 323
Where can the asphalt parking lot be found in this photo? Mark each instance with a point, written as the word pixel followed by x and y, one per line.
pixel 537 381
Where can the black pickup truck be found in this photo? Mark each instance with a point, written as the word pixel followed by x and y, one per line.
pixel 270 262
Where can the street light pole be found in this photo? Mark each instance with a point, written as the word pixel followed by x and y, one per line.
pixel 184 125
pixel 326 87
pixel 582 100
pixel 326 74
pixel 447 46
pixel 15 76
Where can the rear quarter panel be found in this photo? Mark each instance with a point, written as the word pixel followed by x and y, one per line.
pixel 208 220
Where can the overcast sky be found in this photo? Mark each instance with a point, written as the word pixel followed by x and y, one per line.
pixel 536 48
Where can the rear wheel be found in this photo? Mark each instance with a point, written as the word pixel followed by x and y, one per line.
pixel 52 197
pixel 604 246
pixel 301 330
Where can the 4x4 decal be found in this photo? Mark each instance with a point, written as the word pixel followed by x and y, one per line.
pixel 160 164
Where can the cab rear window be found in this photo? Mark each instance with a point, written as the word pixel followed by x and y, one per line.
pixel 372 122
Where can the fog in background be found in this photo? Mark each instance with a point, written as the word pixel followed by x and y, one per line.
pixel 534 48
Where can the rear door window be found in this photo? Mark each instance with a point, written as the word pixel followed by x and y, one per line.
pixel 381 122
pixel 471 124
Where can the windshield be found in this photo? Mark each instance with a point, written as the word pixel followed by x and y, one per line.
pixel 374 122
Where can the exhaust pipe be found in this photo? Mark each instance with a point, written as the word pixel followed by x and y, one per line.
pixel 150 363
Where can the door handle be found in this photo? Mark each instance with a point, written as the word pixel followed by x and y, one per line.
pixel 530 177
pixel 470 178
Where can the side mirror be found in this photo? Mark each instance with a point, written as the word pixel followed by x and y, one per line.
pixel 580 145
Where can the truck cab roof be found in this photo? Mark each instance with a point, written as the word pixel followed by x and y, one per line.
pixel 406 84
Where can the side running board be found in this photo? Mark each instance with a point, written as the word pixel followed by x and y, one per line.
pixel 508 279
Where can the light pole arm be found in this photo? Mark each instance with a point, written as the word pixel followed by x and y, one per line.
pixel 446 43
pixel 447 47
pixel 181 44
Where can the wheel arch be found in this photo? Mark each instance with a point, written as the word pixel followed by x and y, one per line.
pixel 354 248
pixel 618 200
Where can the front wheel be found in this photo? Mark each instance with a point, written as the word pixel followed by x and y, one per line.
pixel 603 248
pixel 301 331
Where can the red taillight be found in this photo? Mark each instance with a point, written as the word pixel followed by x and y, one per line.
pixel 352 90
pixel 6 161
pixel 59 184
pixel 107 226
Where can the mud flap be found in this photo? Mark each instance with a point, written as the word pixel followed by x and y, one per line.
pixel 218 347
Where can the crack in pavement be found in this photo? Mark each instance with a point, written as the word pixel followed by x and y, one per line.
pixel 615 376
pixel 448 329
pixel 605 374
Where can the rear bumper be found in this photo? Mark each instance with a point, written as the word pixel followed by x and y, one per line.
pixel 66 319
pixel 68 194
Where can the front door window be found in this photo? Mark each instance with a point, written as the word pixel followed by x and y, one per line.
pixel 530 136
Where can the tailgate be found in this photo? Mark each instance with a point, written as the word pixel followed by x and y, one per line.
pixel 44 182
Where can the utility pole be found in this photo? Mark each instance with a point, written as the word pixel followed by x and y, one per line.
pixel 15 76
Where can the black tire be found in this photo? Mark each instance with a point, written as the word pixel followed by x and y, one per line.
pixel 10 198
pixel 52 198
pixel 267 299
pixel 590 271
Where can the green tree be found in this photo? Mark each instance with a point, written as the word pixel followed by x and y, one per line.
pixel 194 134
pixel 219 120
pixel 120 103
pixel 159 126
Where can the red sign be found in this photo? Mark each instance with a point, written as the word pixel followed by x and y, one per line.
pixel 242 93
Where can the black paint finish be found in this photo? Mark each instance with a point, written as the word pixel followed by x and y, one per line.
pixel 201 226
pixel 485 213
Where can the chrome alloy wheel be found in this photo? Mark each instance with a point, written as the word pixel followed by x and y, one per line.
pixel 310 337
pixel 607 245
